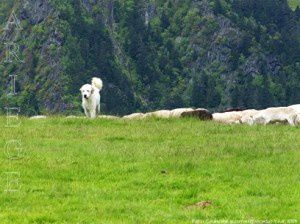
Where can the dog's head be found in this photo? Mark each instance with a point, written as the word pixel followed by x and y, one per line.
pixel 86 91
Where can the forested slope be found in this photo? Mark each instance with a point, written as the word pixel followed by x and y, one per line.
pixel 294 3
pixel 153 54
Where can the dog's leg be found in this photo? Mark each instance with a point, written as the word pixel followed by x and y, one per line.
pixel 98 107
pixel 86 113
pixel 93 114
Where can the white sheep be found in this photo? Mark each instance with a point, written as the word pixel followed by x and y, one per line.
pixel 247 116
pixel 134 116
pixel 276 115
pixel 159 114
pixel 177 112
pixel 232 117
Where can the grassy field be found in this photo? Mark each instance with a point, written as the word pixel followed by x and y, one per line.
pixel 294 3
pixel 150 171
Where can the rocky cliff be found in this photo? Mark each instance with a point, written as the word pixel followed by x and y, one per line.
pixel 151 54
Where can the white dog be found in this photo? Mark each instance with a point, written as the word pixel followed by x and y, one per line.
pixel 91 97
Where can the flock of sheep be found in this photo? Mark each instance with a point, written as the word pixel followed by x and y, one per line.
pixel 286 115
pixel 176 113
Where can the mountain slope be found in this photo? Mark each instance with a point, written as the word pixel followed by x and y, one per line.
pixel 154 54
pixel 294 3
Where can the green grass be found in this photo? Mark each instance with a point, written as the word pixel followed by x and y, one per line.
pixel 150 171
pixel 294 3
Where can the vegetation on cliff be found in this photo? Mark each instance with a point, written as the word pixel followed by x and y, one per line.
pixel 153 54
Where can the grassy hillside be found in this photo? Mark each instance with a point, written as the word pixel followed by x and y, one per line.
pixel 101 171
pixel 294 3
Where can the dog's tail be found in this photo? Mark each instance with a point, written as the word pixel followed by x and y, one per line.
pixel 97 82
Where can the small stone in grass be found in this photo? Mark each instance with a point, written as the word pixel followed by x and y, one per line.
pixel 164 172
pixel 201 204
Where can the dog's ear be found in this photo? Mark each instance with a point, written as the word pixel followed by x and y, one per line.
pixel 92 91
pixel 80 89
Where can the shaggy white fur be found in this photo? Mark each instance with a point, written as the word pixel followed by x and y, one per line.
pixel 276 115
pixel 232 117
pixel 91 97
